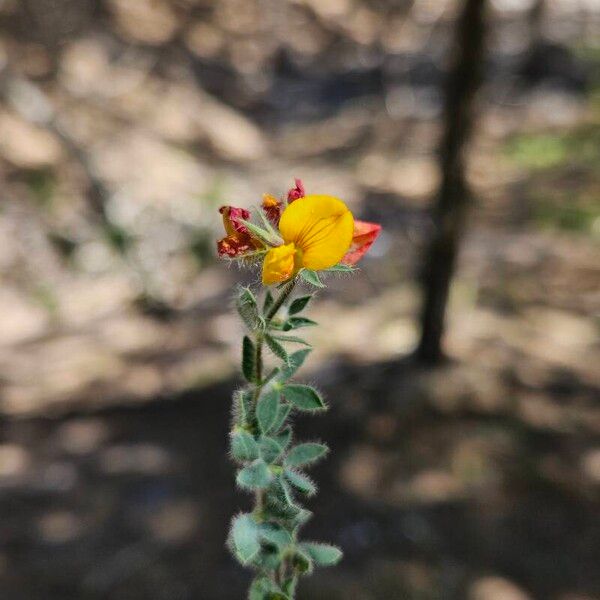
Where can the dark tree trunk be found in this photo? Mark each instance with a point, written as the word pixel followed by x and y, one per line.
pixel 463 82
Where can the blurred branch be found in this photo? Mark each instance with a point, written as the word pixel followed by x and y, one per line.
pixel 463 82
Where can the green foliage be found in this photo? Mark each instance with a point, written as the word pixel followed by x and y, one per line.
pixel 276 348
pixel 247 308
pixel 323 555
pixel 267 410
pixel 303 397
pixel 248 359
pixel 256 476
pixel 305 454
pixel 243 446
pixel 311 277
pixel 299 304
pixel 266 540
pixel 244 538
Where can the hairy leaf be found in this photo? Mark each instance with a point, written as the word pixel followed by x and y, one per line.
pixel 242 402
pixel 299 304
pixel 323 555
pixel 247 308
pixel 284 438
pixel 255 476
pixel 270 450
pixel 268 302
pixel 311 277
pixel 276 348
pixel 282 414
pixel 243 446
pixel 303 397
pixel 291 339
pixel 248 359
pixel 297 323
pixel 263 588
pixel 296 361
pixel 305 454
pixel 301 482
pixel 267 410
pixel 244 538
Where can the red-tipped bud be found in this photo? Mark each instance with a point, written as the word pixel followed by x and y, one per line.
pixel 297 191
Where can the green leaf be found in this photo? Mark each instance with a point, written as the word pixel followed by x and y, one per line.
pixel 270 450
pixel 296 361
pixel 255 476
pixel 289 586
pixel 244 538
pixel 341 268
pixel 284 438
pixel 263 588
pixel 300 518
pixel 267 409
pixel 242 402
pixel 282 414
pixel 271 375
pixel 305 454
pixel 243 446
pixel 302 562
pixel 275 534
pixel 248 359
pixel 311 277
pixel 301 482
pixel 247 308
pixel 276 348
pixel 291 339
pixel 303 397
pixel 268 301
pixel 323 555
pixel 299 304
pixel 297 323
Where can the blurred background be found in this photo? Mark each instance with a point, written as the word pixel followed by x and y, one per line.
pixel 466 469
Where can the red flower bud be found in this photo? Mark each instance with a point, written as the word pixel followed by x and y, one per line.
pixel 297 191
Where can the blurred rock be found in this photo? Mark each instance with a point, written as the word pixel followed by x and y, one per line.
pixel 496 588
pixel 81 436
pixel 150 22
pixel 25 145
pixel 174 522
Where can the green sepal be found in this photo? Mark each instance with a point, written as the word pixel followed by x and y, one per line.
pixel 269 449
pixel 277 349
pixel 305 454
pixel 301 482
pixel 244 538
pixel 262 234
pixel 247 308
pixel 323 555
pixel 248 359
pixel 297 323
pixel 255 476
pixel 311 277
pixel 303 397
pixel 299 304
pixel 243 446
pixel 267 410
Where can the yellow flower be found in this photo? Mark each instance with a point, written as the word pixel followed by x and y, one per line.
pixel 317 232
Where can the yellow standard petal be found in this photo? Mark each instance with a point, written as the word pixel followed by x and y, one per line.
pixel 279 264
pixel 321 227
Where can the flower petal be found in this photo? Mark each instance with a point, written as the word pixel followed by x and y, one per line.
pixel 365 234
pixel 272 208
pixel 297 191
pixel 231 217
pixel 279 264
pixel 235 245
pixel 321 227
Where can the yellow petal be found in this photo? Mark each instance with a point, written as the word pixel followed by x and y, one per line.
pixel 279 264
pixel 320 226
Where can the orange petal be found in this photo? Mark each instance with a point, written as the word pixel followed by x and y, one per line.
pixel 365 234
